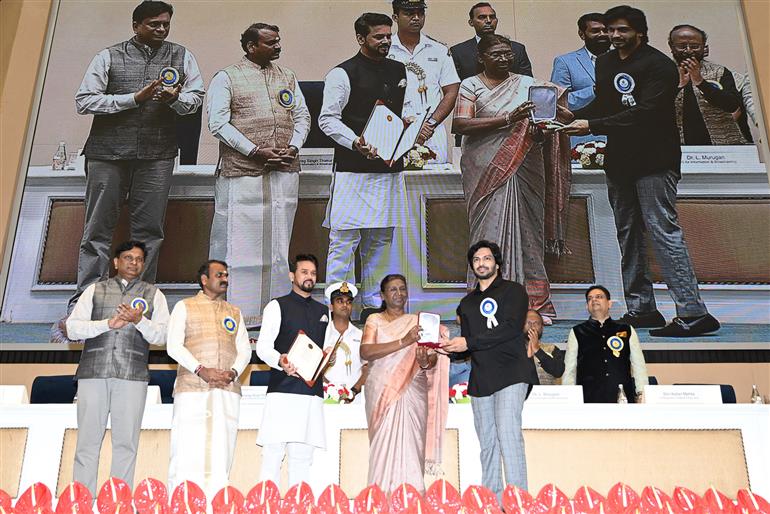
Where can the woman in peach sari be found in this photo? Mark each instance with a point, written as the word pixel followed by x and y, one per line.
pixel 407 394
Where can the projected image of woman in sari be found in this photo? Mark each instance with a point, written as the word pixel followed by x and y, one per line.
pixel 516 176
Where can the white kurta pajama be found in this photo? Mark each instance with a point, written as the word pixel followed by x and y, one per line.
pixel 289 421
pixel 363 208
pixel 204 427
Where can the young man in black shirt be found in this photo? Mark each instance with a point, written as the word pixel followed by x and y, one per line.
pixel 634 107
pixel 492 319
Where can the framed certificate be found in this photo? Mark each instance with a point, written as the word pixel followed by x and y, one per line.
pixel 430 324
pixel 389 134
pixel 309 359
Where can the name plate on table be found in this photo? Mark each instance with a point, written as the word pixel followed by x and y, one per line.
pixel 316 159
pixel 558 394
pixel 724 158
pixel 682 394
pixel 253 395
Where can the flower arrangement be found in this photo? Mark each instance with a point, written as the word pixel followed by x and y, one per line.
pixel 458 393
pixel 590 155
pixel 416 157
pixel 335 394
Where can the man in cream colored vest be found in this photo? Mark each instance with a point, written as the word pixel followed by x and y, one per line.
pixel 208 338
pixel 257 111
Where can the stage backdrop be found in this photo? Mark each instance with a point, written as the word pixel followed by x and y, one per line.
pixel 316 35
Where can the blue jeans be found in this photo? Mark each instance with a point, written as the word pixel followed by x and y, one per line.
pixel 459 371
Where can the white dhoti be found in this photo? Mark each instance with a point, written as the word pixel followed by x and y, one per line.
pixel 251 230
pixel 292 424
pixel 203 434
pixel 363 209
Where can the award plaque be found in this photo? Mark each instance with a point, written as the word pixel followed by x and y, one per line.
pixel 544 113
pixel 430 324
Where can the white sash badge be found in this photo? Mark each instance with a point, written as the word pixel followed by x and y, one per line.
pixel 488 309
pixel 624 84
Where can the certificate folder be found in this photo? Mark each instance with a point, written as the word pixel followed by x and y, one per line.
pixel 309 359
pixel 389 134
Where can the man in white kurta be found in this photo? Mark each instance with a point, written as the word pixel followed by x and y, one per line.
pixel 432 80
pixel 293 418
pixel 368 197
pixel 207 337
pixel 346 368
pixel 258 113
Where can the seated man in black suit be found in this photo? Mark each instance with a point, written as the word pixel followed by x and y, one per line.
pixel 483 19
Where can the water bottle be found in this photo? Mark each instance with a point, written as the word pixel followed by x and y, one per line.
pixel 59 158
pixel 621 394
pixel 756 398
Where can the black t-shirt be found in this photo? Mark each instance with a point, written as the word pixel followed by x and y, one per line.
pixel 498 354
pixel 642 139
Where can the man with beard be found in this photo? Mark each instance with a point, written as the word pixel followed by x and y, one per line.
pixel 707 95
pixel 292 419
pixel 207 337
pixel 368 197
pixel 432 81
pixel 549 359
pixel 492 318
pixel 636 85
pixel 257 111
pixel 575 70
pixel 483 19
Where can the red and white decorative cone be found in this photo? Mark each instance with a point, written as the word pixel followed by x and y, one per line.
pixel 588 501
pixel 687 501
pixel 443 498
pixel 151 497
pixel 516 500
pixel 228 500
pixel 403 497
pixel 655 501
pixel 263 494
pixel 718 503
pixel 752 503
pixel 114 497
pixel 37 499
pixel 6 503
pixel 188 498
pixel 333 500
pixel 371 500
pixel 478 499
pixel 621 499
pixel 299 499
pixel 550 500
pixel 75 499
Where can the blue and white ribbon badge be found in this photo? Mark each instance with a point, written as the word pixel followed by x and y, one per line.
pixel 169 76
pixel 286 98
pixel 624 84
pixel 616 344
pixel 488 309
pixel 140 303
pixel 229 325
